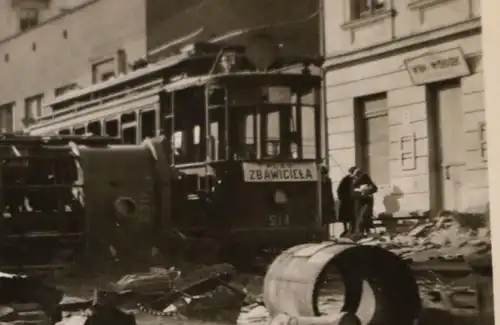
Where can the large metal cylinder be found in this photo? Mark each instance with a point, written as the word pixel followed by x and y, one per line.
pixel 379 287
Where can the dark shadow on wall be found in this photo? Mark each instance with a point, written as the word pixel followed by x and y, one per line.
pixel 391 201
pixel 391 207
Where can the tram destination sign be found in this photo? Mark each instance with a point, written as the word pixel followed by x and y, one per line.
pixel 280 172
pixel 437 66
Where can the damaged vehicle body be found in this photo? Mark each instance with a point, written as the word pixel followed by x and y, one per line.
pixel 216 162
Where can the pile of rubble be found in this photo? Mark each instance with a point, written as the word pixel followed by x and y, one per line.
pixel 218 294
pixel 205 293
pixel 441 250
pixel 451 237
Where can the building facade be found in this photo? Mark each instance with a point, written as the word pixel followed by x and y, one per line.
pixel 404 101
pixel 72 49
pixel 17 16
pixel 71 44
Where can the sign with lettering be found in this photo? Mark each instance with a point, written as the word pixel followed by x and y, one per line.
pixel 437 66
pixel 279 220
pixel 280 172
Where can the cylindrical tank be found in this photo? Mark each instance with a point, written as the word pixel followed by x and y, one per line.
pixel 379 286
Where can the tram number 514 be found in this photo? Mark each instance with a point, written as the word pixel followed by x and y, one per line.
pixel 279 220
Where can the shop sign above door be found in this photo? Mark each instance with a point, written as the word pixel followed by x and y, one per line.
pixel 437 66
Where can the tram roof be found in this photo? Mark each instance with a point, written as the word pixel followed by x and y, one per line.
pixel 270 77
pixel 156 67
pixel 16 139
pixel 152 68
pixel 188 82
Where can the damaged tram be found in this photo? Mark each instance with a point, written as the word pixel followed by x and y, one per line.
pixel 242 149
pixel 42 199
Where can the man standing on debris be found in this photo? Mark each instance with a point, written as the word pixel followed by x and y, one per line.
pixel 327 199
pixel 346 204
pixel 363 189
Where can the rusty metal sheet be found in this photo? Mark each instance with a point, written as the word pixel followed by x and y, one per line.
pixel 110 174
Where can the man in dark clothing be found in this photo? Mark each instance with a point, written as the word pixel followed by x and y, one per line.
pixel 363 190
pixel 220 206
pixel 346 204
pixel 327 199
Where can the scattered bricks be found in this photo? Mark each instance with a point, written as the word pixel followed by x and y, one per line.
pixel 419 230
pixel 445 236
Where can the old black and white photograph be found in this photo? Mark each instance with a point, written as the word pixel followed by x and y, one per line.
pixel 248 162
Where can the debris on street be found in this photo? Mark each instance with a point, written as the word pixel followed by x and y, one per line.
pixel 450 237
pixel 442 251
pixel 205 293
pixel 218 294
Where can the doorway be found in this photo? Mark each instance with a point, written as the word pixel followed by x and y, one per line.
pixel 447 151
pixel 371 118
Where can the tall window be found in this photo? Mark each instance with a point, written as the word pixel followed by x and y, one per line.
pixel 103 70
pixel 366 8
pixel 33 107
pixel 372 137
pixel 7 118
pixel 28 18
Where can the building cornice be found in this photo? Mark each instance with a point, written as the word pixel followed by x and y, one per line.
pixel 421 4
pixel 349 57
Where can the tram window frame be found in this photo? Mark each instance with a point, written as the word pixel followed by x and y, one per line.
pixel 189 150
pixel 307 135
pixel 244 135
pixel 129 135
pixel 230 106
pixel 272 145
pixel 177 139
pixel 80 130
pixel 114 125
pixel 216 133
pixel 129 129
pixel 98 131
pixel 277 99
pixel 129 117
pixel 275 94
pixel 64 132
pixel 245 111
pixel 147 122
pixel 293 127
pixel 241 149
pixel 198 154
pixel 188 113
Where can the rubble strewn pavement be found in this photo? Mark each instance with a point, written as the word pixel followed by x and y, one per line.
pixel 159 296
pixel 218 295
pixel 450 237
pixel 447 242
